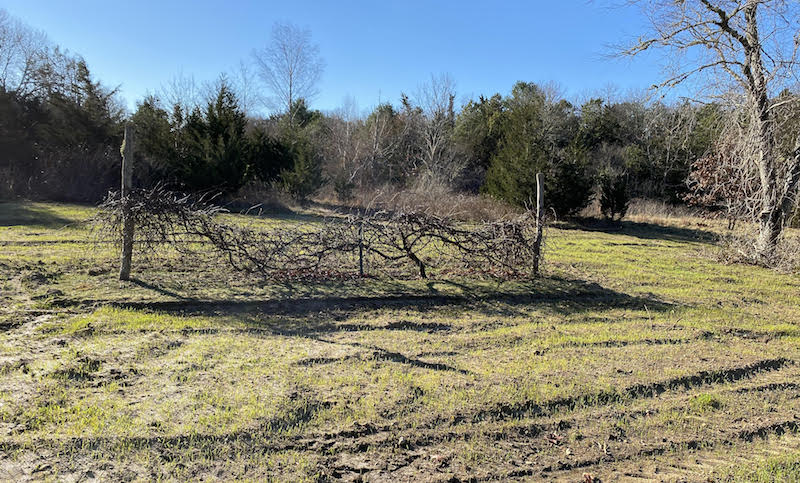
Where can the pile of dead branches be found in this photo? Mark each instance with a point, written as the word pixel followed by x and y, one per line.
pixel 160 216
pixel 292 251
pixel 503 248
pixel 389 243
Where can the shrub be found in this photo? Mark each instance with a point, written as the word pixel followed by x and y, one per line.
pixel 614 194
pixel 568 186
pixel 304 178
pixel 343 186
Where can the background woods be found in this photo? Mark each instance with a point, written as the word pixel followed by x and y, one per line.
pixel 60 130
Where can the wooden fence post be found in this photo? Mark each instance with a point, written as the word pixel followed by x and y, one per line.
pixel 361 249
pixel 537 243
pixel 127 220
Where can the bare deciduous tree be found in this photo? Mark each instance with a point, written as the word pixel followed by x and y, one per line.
pixel 244 82
pixel 748 48
pixel 23 54
pixel 346 147
pixel 436 98
pixel 721 180
pixel 182 91
pixel 290 65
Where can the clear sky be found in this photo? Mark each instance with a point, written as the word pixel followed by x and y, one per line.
pixel 372 49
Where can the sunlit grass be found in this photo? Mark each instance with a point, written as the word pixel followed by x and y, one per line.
pixel 192 349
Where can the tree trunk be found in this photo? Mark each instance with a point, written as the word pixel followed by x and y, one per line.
pixel 420 264
pixel 769 232
pixel 771 218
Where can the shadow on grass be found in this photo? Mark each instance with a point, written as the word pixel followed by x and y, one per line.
pixel 18 214
pixel 652 231
pixel 156 288
pixel 380 354
pixel 561 295
pixel 645 231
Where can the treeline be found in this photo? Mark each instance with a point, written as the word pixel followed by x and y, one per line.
pixel 492 145
pixel 59 128
pixel 217 147
pixel 60 132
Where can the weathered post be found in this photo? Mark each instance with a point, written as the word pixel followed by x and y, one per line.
pixel 361 249
pixel 127 221
pixel 537 242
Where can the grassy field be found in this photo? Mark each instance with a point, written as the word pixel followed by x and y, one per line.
pixel 635 356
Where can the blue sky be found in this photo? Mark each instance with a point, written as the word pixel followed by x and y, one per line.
pixel 373 49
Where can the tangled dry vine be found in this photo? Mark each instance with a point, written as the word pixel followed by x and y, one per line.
pixel 389 242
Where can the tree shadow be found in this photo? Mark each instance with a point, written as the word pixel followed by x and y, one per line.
pixel 646 231
pixel 381 354
pixel 561 295
pixel 652 231
pixel 19 214
pixel 161 290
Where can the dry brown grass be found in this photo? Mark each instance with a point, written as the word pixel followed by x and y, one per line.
pixel 432 198
pixel 645 210
pixel 261 197
pixel 737 247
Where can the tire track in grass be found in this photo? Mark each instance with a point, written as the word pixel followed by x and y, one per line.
pixel 387 435
pixel 557 469
pixel 505 411
pixel 778 428
pixel 637 391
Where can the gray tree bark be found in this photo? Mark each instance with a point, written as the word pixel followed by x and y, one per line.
pixel 726 42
